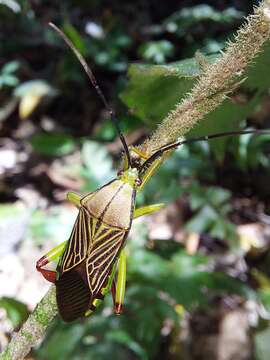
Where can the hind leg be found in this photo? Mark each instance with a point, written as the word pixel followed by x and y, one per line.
pixel 118 287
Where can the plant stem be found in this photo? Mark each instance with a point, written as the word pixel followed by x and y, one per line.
pixel 33 330
pixel 210 91
pixel 216 82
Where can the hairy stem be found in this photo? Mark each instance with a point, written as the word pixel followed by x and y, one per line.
pixel 216 82
pixel 33 329
pixel 209 92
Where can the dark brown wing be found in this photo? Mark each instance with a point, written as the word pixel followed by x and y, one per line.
pixel 72 294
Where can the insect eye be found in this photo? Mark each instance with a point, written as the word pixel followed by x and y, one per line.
pixel 138 182
pixel 120 173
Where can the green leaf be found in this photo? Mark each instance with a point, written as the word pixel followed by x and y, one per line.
pixel 157 51
pixel 217 196
pixel 212 206
pixel 223 229
pixel 53 225
pixel 17 311
pixel 35 87
pixel 255 151
pixel 185 265
pixel 147 264
pixel 63 342
pixel 124 338
pixel 262 349
pixel 98 162
pixel 53 144
pixel 264 295
pixel 153 90
pixel 10 67
pixel 184 277
pixel 227 117
pixel 202 221
pixel 75 37
pixel 150 311
pixel 250 151
pixel 106 132
pixel 181 21
pixel 191 283
pixel 257 70
pixel 31 93
pixel 9 80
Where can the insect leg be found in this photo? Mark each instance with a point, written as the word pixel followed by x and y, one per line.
pixel 150 170
pixel 74 198
pixel 149 209
pixel 141 156
pixel 52 255
pixel 118 289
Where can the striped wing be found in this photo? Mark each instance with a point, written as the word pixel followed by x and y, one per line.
pixel 77 289
pixel 107 243
pixel 95 242
pixel 80 242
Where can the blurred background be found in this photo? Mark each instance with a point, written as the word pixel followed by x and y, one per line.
pixel 198 271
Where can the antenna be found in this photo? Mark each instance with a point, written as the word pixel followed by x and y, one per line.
pixel 174 145
pixel 96 86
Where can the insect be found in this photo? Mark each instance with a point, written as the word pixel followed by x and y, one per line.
pixel 88 261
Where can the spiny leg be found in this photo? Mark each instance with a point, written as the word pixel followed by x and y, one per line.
pixel 52 255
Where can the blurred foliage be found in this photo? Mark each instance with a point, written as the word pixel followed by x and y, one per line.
pixel 53 144
pixel 154 90
pixel 250 152
pixel 262 344
pixel 184 20
pixel 179 280
pixel 211 205
pixel 7 76
pixel 95 175
pixel 156 51
pixel 17 312
pixel 31 94
pixel 41 78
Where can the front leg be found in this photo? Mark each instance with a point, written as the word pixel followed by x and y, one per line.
pixel 74 198
pixel 53 254
pixel 145 210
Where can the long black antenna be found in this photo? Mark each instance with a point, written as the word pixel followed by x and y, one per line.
pixel 96 86
pixel 174 145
